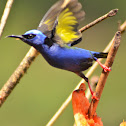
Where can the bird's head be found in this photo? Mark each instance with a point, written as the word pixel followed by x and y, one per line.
pixel 32 37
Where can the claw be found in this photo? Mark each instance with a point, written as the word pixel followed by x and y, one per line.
pixel 106 69
pixel 94 97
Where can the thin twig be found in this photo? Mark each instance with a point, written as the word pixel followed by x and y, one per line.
pixel 104 75
pixel 89 73
pixel 19 72
pixel 5 15
pixel 122 28
pixel 109 14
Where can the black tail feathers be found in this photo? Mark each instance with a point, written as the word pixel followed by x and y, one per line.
pixel 101 55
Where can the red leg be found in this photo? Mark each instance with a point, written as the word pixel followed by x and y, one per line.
pixel 92 92
pixel 103 66
pixel 86 79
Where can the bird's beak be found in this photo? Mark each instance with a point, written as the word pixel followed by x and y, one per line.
pixel 20 37
pixel 16 36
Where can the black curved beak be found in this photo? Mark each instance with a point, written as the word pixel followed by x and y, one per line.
pixel 21 37
pixel 16 36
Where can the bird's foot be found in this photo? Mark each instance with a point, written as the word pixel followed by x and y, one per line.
pixel 105 68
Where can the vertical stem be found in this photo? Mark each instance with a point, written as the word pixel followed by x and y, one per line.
pixel 104 75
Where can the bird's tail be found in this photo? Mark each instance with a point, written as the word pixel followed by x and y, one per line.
pixel 100 55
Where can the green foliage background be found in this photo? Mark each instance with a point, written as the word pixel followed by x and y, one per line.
pixel 43 89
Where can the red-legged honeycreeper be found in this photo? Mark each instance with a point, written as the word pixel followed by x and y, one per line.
pixel 55 36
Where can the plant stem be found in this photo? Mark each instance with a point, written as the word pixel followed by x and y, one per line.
pixel 17 75
pixel 104 75
pixel 109 14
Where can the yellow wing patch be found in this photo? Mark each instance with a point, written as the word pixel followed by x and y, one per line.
pixel 66 26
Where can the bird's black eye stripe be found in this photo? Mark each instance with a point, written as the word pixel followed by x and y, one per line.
pixel 29 36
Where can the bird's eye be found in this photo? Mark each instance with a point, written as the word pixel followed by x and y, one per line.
pixel 29 36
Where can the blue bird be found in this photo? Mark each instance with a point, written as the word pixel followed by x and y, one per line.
pixel 56 35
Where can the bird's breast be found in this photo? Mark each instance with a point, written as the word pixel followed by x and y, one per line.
pixel 72 59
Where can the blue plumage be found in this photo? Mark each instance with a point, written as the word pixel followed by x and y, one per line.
pixel 51 39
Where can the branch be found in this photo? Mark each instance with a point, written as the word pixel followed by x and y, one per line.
pixel 5 15
pixel 17 75
pixel 122 28
pixel 109 14
pixel 104 75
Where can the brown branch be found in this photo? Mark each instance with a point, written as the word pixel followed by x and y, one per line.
pixel 104 75
pixel 109 14
pixel 17 75
pixel 19 72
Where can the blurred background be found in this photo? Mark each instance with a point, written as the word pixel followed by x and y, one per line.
pixel 43 88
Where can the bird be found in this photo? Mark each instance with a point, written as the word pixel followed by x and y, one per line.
pixel 56 37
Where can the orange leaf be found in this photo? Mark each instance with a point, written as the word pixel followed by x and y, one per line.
pixel 80 109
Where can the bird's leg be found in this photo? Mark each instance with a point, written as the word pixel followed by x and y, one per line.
pixel 86 79
pixel 105 68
